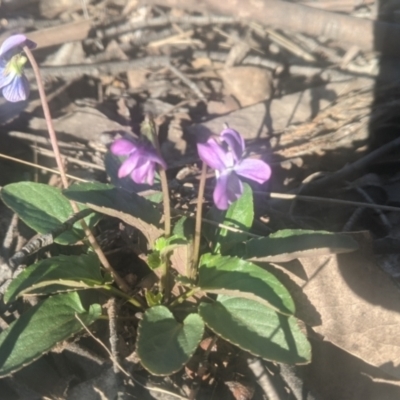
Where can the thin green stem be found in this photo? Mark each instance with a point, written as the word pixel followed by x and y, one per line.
pixel 164 278
pixel 53 139
pixel 184 296
pixel 197 230
pixel 163 177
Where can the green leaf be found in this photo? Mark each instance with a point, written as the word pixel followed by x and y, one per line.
pixel 43 208
pixel 42 327
pixel 128 207
pixel 153 299
pixel 239 215
pixel 257 329
pixel 57 274
pixel 289 244
pixel 184 227
pixel 165 345
pixel 163 247
pixel 154 260
pixel 236 277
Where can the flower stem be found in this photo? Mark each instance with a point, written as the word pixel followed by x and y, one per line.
pixel 165 285
pixel 53 139
pixel 151 133
pixel 163 176
pixel 197 229
pixel 167 207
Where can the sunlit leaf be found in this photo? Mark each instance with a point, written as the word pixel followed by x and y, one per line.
pixel 257 329
pixel 42 327
pixel 165 345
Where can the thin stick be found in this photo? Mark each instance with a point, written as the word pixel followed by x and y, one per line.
pixel 41 241
pixel 54 171
pixel 263 378
pixel 353 170
pixel 187 82
pixel 72 160
pixel 53 139
pixel 199 213
pixel 112 324
pixel 11 233
pixel 286 196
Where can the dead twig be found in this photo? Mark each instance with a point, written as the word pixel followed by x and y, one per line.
pixel 104 68
pixel 263 378
pixel 353 170
pixel 112 325
pixel 53 171
pixel 72 160
pixel 45 240
pixel 9 237
pixel 202 20
pixel 357 213
pixel 187 82
pixel 288 196
pixel 367 34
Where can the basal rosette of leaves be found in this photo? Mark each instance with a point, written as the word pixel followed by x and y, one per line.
pixel 246 304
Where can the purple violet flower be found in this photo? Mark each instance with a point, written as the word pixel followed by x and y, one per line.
pixel 230 165
pixel 13 82
pixel 141 161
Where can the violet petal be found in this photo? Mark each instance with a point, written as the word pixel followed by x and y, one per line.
pixel 227 190
pixel 128 166
pixel 214 155
pixel 17 90
pixel 234 140
pixel 144 173
pixel 6 79
pixel 153 156
pixel 15 41
pixel 122 147
pixel 256 170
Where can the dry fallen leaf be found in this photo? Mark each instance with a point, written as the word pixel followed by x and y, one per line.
pixel 85 123
pixel 137 78
pixel 351 302
pixel 226 105
pixel 335 374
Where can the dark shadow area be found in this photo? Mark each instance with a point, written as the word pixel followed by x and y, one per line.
pixel 384 126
